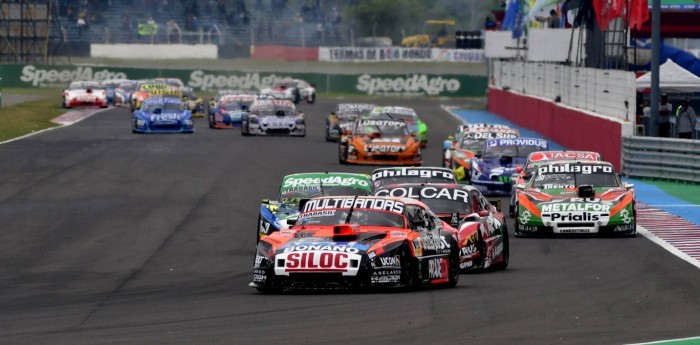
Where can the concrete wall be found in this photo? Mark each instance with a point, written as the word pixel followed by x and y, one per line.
pixel 154 51
pixel 573 128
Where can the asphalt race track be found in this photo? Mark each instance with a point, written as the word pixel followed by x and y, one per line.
pixel 109 237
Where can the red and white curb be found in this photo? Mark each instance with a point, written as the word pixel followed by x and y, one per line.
pixel 673 233
pixel 65 119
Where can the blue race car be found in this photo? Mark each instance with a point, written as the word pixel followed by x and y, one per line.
pixel 162 114
pixel 227 112
pixel 491 171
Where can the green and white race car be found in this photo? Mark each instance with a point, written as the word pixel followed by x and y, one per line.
pixel 296 189
pixel 582 197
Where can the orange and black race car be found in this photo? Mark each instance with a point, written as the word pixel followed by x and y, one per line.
pixel 364 242
pixel 382 142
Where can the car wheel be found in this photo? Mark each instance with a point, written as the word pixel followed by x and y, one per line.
pixel 454 265
pixel 257 231
pixel 506 251
pixel 409 271
pixel 342 155
pixel 297 96
pixel 245 128
pixel 312 99
pixel 212 121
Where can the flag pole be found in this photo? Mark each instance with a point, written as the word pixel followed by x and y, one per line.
pixel 655 57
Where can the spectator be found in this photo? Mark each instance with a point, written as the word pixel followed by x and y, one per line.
pixel 173 32
pixel 554 20
pixel 686 119
pixel 665 109
pixel 82 23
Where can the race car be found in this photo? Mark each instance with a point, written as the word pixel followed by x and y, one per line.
pixel 143 90
pixel 110 86
pixel 292 90
pixel 394 175
pixel 380 142
pixel 84 94
pixel 193 103
pixel 459 151
pixel 535 159
pixel 123 92
pixel 280 214
pixel 359 243
pixel 491 172
pixel 482 230
pixel 175 83
pixel 582 197
pixel 408 115
pixel 162 114
pixel 273 117
pixel 341 120
pixel 227 112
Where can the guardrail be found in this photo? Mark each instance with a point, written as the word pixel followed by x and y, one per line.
pixel 665 158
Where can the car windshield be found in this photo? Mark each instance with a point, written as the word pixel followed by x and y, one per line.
pixel 383 128
pixel 509 150
pixel 572 180
pixel 232 106
pixel 284 83
pixel 84 86
pixel 471 145
pixel 359 217
pixel 308 192
pixel 126 86
pixel 385 181
pixel 162 107
pixel 447 205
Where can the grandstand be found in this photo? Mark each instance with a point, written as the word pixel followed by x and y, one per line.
pixel 224 22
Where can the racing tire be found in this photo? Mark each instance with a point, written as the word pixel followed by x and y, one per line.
pixel 506 252
pixel 454 266
pixel 297 96
pixel 212 121
pixel 311 99
pixel 328 128
pixel 409 273
pixel 515 224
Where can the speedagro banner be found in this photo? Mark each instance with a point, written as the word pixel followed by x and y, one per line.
pixel 21 76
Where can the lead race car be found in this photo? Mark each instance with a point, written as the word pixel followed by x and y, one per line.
pixel 576 198
pixel 162 114
pixel 273 117
pixel 85 94
pixel 481 229
pixel 359 242
pixel 280 214
pixel 340 121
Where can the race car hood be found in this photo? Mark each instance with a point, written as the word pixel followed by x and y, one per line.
pixel 608 204
pixel 321 249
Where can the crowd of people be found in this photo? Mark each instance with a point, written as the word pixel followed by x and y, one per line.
pixel 680 123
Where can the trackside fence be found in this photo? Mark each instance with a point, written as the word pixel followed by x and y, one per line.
pixel 665 158
pixel 610 93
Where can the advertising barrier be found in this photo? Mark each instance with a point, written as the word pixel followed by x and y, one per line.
pixel 443 85
pixel 379 54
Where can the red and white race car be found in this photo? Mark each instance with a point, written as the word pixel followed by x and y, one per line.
pixel 85 94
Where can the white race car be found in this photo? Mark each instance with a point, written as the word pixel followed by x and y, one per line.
pixel 273 117
pixel 85 94
pixel 291 89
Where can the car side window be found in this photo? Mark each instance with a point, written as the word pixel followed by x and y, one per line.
pixel 474 201
pixel 415 216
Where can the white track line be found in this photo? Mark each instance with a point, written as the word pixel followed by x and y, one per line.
pixel 665 245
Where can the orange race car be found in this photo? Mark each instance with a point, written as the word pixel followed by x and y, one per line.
pixel 382 142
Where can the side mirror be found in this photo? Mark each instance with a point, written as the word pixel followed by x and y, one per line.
pixel 629 186
pixel 520 186
pixel 483 213
pixel 420 222
pixel 413 134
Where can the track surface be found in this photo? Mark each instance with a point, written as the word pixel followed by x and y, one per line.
pixel 108 237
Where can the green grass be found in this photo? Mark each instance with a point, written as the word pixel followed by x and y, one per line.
pixel 32 116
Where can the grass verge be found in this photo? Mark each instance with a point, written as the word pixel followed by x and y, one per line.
pixel 31 116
